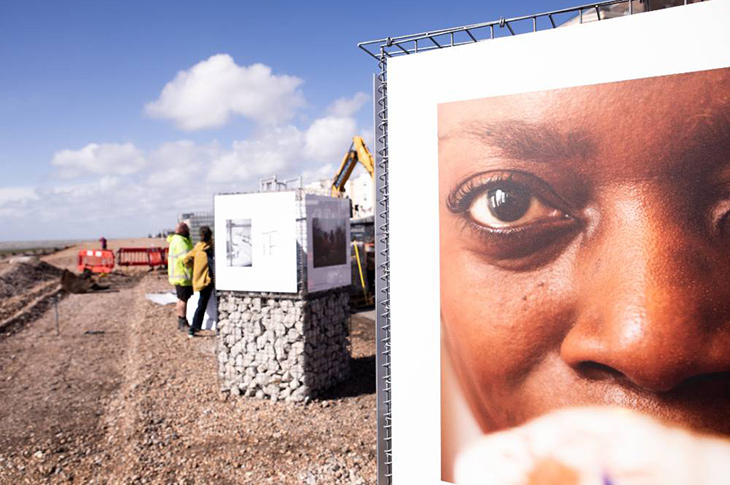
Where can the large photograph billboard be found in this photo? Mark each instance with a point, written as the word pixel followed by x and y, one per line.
pixel 580 253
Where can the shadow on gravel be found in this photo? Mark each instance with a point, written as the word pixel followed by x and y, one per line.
pixel 361 381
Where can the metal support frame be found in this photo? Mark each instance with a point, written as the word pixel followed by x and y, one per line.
pixel 381 50
pixel 382 279
pixel 469 34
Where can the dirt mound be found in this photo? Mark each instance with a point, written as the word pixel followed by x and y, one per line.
pixel 18 278
pixel 26 292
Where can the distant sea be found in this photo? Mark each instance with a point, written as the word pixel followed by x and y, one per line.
pixel 60 243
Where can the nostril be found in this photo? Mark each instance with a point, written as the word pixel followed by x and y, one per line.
pixel 596 371
pixel 711 385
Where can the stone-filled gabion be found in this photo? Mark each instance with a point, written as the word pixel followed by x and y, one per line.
pixel 283 347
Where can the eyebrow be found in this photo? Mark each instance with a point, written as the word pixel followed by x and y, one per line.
pixel 709 125
pixel 535 142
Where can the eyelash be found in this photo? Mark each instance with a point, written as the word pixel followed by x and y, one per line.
pixel 459 200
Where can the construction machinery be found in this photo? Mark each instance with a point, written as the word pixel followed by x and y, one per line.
pixel 362 251
pixel 358 152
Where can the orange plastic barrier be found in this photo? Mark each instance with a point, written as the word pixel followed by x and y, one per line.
pixel 96 261
pixel 152 257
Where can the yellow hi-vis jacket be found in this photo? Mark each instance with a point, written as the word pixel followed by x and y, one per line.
pixel 178 273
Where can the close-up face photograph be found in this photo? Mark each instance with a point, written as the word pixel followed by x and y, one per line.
pixel 585 250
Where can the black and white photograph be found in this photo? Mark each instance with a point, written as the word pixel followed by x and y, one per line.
pixel 329 242
pixel 238 243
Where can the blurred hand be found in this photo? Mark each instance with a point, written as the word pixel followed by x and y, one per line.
pixel 595 446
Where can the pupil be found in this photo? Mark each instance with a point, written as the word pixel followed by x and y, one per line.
pixel 508 205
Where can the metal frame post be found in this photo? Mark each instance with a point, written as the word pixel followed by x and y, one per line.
pixel 382 280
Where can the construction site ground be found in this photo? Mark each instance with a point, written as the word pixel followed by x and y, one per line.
pixel 121 396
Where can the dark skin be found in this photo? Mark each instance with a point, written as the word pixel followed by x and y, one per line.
pixel 585 250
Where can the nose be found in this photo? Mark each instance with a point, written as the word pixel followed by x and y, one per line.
pixel 653 303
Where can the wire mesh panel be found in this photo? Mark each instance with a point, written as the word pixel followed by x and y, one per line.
pixel 301 221
pixel 384 49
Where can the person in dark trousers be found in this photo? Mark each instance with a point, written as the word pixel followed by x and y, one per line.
pixel 203 262
pixel 178 272
pixel 102 240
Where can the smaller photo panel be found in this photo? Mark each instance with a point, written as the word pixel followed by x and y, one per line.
pixel 238 243
pixel 328 243
pixel 256 242
pixel 329 240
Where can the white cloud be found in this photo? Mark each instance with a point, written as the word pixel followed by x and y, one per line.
pixel 14 200
pixel 181 153
pixel 84 190
pixel 180 163
pixel 125 191
pixel 10 195
pixel 319 173
pixel 94 158
pixel 112 206
pixel 284 150
pixel 211 92
pixel 270 151
pixel 328 138
pixel 345 107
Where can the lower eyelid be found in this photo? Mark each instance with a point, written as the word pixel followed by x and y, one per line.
pixel 522 241
pixel 564 220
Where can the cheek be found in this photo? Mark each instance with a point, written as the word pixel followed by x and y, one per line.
pixel 500 325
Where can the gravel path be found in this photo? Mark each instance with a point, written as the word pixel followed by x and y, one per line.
pixel 122 397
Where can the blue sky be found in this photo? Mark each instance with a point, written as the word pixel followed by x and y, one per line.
pixel 90 143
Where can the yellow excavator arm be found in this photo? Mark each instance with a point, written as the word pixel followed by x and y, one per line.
pixel 358 152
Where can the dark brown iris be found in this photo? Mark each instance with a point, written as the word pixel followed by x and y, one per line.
pixel 508 204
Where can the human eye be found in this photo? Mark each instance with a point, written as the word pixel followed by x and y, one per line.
pixel 514 212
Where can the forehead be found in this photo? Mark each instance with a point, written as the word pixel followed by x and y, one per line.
pixel 676 97
pixel 665 116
